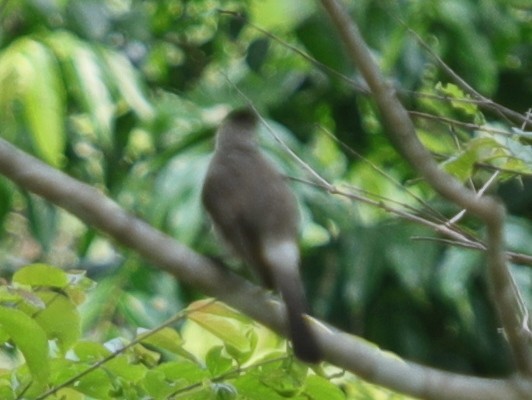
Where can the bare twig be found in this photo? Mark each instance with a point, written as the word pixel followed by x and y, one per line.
pixel 466 87
pixel 356 85
pixel 460 123
pixel 235 372
pixel 312 172
pixel 402 133
pixel 123 349
pixel 482 190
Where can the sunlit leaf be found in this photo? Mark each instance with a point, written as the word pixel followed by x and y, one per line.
pixel 122 366
pixel 318 387
pixel 41 275
pixel 169 377
pixel 87 81
pixel 44 102
pixel 251 386
pixel 457 97
pixel 94 91
pixel 167 338
pixel 98 384
pixel 230 331
pixel 279 13
pixel 90 351
pixel 217 308
pixel 217 363
pixel 60 319
pixel 29 338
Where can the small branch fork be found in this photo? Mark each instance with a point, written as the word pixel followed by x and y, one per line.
pixel 402 133
pixel 339 348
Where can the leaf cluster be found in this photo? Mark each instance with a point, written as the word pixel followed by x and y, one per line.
pixel 40 329
pixel 126 96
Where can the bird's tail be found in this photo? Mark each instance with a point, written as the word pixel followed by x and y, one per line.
pixel 283 260
pixel 303 339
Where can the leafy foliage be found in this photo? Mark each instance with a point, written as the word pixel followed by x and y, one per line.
pixel 57 363
pixel 125 96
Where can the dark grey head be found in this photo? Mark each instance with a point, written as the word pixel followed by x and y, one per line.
pixel 245 116
pixel 237 130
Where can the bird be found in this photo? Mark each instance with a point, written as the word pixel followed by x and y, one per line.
pixel 257 215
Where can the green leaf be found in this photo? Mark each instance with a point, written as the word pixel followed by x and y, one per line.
pixel 224 323
pixel 43 99
pixel 224 391
pixel 456 95
pixel 217 308
pixel 93 91
pixel 279 13
pixel 257 53
pixel 317 387
pixel 124 76
pixel 123 367
pixel 97 384
pixel 87 82
pixel 286 376
pixel 30 339
pixel 167 338
pixel 6 391
pixel 60 319
pixel 251 386
pixel 216 362
pixel 480 149
pixel 69 394
pixel 157 385
pixel 169 377
pixel 90 352
pixel 41 275
pixel 29 74
pixel 146 356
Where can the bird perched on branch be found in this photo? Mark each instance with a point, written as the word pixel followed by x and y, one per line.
pixel 257 215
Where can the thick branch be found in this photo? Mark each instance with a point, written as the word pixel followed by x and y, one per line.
pixel 402 133
pixel 343 350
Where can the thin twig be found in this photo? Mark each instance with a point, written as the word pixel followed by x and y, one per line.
pixel 114 354
pixel 227 375
pixel 482 190
pixel 356 85
pixel 402 133
pixel 466 125
pixel 466 87
pixel 311 171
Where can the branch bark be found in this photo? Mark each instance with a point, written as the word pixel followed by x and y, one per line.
pixel 341 349
pixel 402 133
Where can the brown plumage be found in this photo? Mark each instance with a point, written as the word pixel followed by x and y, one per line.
pixel 256 213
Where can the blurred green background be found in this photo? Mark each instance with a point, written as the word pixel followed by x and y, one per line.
pixel 126 95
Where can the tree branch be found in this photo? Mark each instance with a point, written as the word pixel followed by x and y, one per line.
pixel 341 349
pixel 402 133
pixel 467 88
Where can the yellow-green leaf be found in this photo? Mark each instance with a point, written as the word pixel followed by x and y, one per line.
pixel 167 338
pixel 60 319
pixel 43 98
pixel 30 339
pixel 41 275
